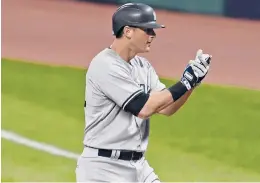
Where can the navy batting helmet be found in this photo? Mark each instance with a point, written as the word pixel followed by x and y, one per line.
pixel 136 15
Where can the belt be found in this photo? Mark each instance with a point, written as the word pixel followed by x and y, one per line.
pixel 124 155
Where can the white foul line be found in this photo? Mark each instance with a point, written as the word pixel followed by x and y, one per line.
pixel 11 136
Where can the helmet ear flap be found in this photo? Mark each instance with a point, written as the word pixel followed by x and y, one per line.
pixel 119 33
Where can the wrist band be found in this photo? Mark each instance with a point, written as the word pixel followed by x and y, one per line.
pixel 177 90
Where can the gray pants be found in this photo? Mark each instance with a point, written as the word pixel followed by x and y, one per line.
pixel 91 167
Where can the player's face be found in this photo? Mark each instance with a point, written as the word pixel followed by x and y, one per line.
pixel 142 39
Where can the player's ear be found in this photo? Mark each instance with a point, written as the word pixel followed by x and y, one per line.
pixel 128 32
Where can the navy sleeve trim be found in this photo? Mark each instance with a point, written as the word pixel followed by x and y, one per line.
pixel 131 98
pixel 137 103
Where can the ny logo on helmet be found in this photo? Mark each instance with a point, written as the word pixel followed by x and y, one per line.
pixel 154 16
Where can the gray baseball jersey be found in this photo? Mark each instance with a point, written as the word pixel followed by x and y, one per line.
pixel 111 83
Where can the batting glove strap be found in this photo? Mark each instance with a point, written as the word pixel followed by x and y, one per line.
pixel 189 77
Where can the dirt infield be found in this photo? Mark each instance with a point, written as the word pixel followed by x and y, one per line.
pixel 71 33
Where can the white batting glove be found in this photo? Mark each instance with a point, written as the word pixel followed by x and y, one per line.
pixel 199 69
pixel 203 59
pixel 191 74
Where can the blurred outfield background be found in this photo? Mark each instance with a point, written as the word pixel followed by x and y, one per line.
pixel 47 46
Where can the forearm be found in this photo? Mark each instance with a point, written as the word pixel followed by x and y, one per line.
pixel 175 106
pixel 162 99
pixel 156 101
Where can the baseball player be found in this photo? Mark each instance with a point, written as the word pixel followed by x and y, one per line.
pixel 122 92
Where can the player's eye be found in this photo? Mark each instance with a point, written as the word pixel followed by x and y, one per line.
pixel 149 32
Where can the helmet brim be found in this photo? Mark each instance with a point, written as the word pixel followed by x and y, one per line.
pixel 150 25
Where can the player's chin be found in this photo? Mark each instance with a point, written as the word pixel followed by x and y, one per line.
pixel 144 49
pixel 147 48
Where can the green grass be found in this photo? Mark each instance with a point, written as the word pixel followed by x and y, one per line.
pixel 22 164
pixel 214 137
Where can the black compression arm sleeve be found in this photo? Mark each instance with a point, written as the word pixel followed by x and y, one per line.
pixel 137 103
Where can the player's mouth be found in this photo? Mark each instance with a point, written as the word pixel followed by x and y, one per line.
pixel 149 42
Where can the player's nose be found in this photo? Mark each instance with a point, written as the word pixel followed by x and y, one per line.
pixel 151 38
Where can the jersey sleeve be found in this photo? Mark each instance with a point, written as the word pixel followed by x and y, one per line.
pixel 118 85
pixel 155 83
